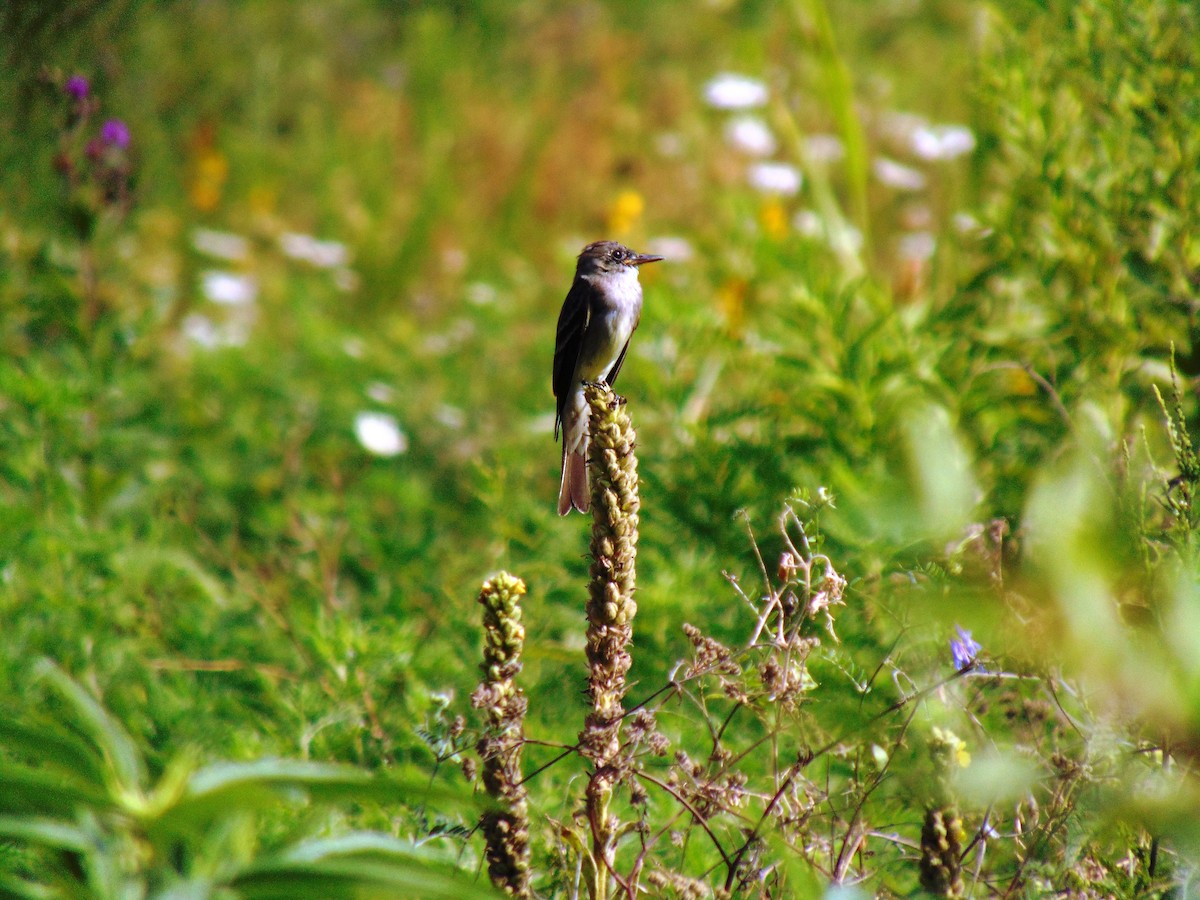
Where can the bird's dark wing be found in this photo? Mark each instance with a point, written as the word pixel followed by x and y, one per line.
pixel 611 378
pixel 572 323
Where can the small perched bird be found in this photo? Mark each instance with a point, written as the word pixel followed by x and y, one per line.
pixel 597 320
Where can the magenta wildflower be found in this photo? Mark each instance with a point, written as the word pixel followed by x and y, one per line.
pixel 77 86
pixel 115 133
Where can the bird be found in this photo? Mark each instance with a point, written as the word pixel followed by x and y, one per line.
pixel 598 317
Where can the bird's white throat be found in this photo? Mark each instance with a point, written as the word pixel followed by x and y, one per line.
pixel 621 286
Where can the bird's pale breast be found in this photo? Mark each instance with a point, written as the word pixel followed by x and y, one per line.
pixel 613 321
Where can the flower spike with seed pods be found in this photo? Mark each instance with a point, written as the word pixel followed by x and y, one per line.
pixel 612 470
pixel 506 830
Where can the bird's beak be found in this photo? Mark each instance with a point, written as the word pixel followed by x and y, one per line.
pixel 640 259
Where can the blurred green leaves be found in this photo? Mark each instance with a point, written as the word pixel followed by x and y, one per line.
pixel 996 778
pixel 942 472
pixel 79 797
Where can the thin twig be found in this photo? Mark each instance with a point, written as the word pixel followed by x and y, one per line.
pixel 699 819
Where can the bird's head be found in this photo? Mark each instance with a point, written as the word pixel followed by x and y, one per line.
pixel 606 257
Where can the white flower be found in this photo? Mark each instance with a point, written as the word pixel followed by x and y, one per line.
pixel 942 141
pixel 480 293
pixel 846 239
pixel 731 91
pixel 450 416
pixel 898 175
pixel 775 178
pixel 900 126
pixel 380 392
pixel 346 280
pixel 669 144
pixel 808 223
pixel 380 434
pixel 228 288
pixel 322 254
pixel 965 223
pixel 822 148
pixel 459 332
pixel 201 330
pixel 204 332
pixel 751 135
pixel 917 245
pixel 671 248
pixel 221 244
pixel 916 216
pixel 841 237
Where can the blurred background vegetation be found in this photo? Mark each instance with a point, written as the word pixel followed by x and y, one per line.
pixel 275 399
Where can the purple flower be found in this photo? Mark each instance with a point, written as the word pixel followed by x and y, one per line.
pixel 77 86
pixel 964 649
pixel 115 133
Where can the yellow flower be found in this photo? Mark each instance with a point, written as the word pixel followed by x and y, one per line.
pixel 625 212
pixel 208 168
pixel 209 178
pixel 731 299
pixel 262 200
pixel 949 746
pixel 773 219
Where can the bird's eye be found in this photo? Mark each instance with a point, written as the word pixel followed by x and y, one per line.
pixel 618 254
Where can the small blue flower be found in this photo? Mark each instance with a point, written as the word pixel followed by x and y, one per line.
pixel 964 649
pixel 77 86
pixel 115 133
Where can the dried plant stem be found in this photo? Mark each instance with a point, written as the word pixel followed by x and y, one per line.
pixel 506 830
pixel 612 469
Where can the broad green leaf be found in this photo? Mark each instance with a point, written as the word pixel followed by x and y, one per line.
pixel 51 746
pixel 192 889
pixel 220 788
pixel 358 879
pixel 355 844
pixel 14 889
pixel 24 789
pixel 43 832
pixel 112 739
pixel 220 778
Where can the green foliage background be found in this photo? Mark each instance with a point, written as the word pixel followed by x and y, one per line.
pixel 195 535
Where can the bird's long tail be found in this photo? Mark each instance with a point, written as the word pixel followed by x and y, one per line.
pixel 573 490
